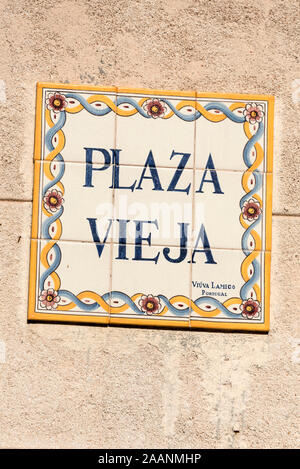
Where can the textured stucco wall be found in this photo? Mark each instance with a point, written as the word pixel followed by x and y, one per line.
pixel 86 386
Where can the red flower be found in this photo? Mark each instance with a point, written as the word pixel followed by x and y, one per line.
pixel 56 102
pixel 250 309
pixel 150 304
pixel 251 210
pixel 155 108
pixel 53 200
pixel 49 299
pixel 253 113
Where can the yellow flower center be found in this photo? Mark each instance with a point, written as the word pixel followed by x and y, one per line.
pixel 249 309
pixel 57 102
pixel 251 210
pixel 49 297
pixel 53 200
pixel 150 305
pixel 154 109
pixel 253 114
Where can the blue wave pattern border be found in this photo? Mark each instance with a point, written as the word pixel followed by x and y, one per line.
pixel 244 292
pixel 126 100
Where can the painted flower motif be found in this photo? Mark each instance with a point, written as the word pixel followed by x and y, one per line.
pixel 56 102
pixel 49 298
pixel 253 113
pixel 251 210
pixel 155 108
pixel 150 304
pixel 53 200
pixel 250 309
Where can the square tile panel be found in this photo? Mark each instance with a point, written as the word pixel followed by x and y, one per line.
pixel 148 205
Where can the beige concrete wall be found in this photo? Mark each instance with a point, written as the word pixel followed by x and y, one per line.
pixel 86 386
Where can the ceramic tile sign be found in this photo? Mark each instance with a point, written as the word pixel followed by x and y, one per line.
pixel 151 208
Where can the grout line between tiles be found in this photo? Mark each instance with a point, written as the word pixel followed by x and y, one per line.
pixel 137 165
pixel 116 243
pixel 274 214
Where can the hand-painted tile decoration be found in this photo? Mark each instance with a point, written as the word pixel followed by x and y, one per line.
pixel 151 208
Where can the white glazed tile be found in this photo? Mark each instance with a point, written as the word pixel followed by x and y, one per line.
pixel 135 276
pixel 84 202
pixel 226 141
pixel 222 204
pixel 92 125
pixel 222 280
pixel 77 273
pixel 161 196
pixel 138 133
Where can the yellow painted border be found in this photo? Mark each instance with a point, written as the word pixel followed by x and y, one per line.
pixel 33 315
pixel 32 279
pixel 38 122
pixel 197 94
pixel 184 324
pixel 35 203
pixel 241 96
pixel 148 91
pixel 68 86
pixel 268 208
pixel 270 132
